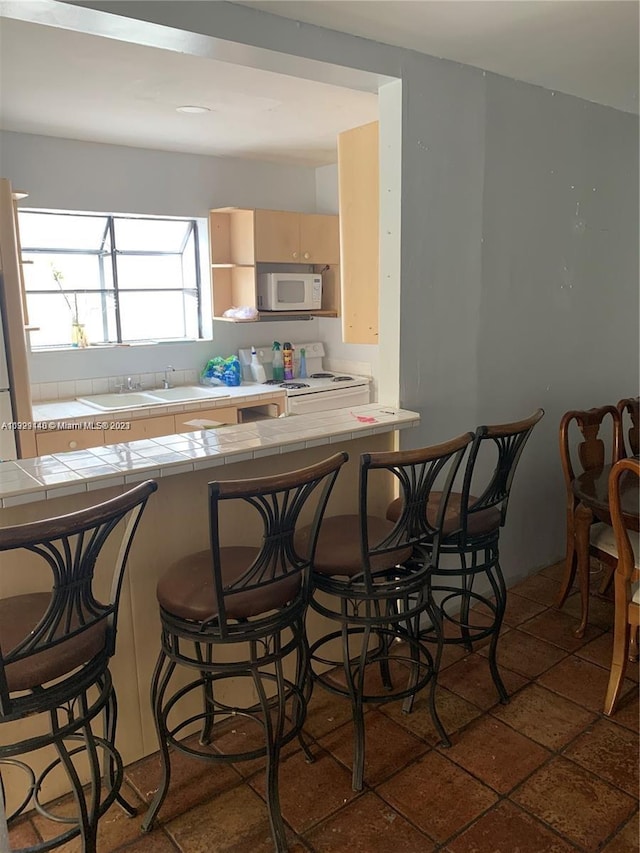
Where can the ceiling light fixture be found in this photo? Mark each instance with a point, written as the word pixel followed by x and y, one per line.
pixel 192 109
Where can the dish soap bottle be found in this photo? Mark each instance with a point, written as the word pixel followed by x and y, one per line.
pixel 287 357
pixel 303 363
pixel 257 370
pixel 278 369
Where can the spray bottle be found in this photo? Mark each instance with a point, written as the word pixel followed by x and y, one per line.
pixel 287 358
pixel 303 363
pixel 278 370
pixel 257 370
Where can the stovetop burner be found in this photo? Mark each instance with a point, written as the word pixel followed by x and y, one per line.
pixel 321 376
pixel 287 384
pixel 342 379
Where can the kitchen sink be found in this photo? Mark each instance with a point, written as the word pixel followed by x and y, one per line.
pixel 144 399
pixel 127 400
pixel 189 392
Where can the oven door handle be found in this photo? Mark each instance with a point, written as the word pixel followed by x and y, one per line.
pixel 319 401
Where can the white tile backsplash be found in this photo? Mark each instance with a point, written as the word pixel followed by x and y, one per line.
pixel 67 389
pixel 47 390
pixel 83 387
pixel 70 389
pixel 100 386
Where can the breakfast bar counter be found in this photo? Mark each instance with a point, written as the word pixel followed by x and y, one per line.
pixel 71 472
pixel 175 522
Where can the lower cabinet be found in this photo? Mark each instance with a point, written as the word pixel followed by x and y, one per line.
pixel 143 428
pixel 60 441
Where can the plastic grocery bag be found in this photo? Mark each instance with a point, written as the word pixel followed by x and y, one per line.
pixel 222 371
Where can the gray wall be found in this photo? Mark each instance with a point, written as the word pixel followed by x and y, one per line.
pixel 524 290
pixel 74 175
pixel 491 330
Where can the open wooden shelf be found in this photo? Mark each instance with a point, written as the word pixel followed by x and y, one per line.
pixel 271 316
pixel 231 266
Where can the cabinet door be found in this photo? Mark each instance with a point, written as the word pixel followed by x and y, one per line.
pixel 358 188
pixel 146 428
pixel 59 441
pixel 277 236
pixel 319 238
pixel 223 414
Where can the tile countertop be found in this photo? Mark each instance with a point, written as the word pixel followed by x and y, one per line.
pixel 47 477
pixel 68 410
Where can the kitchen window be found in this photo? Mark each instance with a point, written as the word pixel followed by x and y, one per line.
pixel 101 279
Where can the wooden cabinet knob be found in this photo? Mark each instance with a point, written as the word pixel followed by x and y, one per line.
pixel 73 444
pixel 294 254
pixel 307 255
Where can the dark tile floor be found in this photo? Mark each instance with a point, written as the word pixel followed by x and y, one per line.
pixel 547 773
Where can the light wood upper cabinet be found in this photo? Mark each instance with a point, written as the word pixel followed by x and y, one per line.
pixel 277 236
pixel 240 239
pixel 358 184
pixel 286 237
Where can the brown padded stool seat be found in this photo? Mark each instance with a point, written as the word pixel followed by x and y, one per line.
pixel 338 551
pixel 19 615
pixel 186 589
pixel 480 522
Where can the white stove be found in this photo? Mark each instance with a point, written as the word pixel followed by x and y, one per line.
pixel 320 390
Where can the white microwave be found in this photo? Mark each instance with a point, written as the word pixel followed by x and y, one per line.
pixel 289 291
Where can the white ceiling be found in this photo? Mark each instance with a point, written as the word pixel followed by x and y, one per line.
pixel 57 82
pixel 587 48
pixel 63 83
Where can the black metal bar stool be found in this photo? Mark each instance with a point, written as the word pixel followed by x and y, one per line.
pixel 55 648
pixel 370 581
pixel 237 612
pixel 471 534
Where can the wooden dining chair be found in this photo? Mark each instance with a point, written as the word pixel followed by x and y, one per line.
pixel 627 584
pixel 629 410
pixel 591 453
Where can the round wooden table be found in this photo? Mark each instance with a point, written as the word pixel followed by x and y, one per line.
pixel 592 491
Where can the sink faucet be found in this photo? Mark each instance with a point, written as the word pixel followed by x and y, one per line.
pixel 165 382
pixel 129 385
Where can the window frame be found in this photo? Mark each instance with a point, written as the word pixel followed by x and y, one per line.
pixel 110 256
